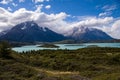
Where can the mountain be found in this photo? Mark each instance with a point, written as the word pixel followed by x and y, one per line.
pixel 86 34
pixel 30 32
pixel 3 32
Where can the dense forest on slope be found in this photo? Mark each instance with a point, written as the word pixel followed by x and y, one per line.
pixel 83 64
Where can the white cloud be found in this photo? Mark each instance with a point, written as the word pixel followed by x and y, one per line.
pixel 14 4
pixel 21 1
pixel 48 6
pixel 93 22
pixel 5 19
pixel 107 10
pixel 57 22
pixel 38 1
pixel 38 8
pixel 9 9
pixel 9 19
pixel 109 7
pixel 104 14
pixel 116 25
pixel 5 1
pixel 115 29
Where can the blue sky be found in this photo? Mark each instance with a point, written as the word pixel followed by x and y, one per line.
pixel 71 7
pixel 56 14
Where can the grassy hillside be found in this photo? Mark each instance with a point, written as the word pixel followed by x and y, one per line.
pixel 93 63
pixel 17 68
pixel 82 64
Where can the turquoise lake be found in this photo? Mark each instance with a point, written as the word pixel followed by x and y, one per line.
pixel 66 46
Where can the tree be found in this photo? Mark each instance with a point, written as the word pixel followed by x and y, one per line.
pixel 5 49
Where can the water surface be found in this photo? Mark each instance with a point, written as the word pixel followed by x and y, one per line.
pixel 65 46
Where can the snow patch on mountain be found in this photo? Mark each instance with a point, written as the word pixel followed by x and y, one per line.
pixel 44 29
pixel 24 27
pixel 32 24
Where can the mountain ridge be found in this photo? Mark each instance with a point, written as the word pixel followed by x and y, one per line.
pixel 89 34
pixel 29 31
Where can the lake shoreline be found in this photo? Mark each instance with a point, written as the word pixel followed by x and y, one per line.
pixel 65 46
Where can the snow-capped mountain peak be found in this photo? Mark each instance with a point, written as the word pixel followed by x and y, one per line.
pixel 24 27
pixel 88 34
pixel 29 32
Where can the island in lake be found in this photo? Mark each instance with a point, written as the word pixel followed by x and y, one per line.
pixel 47 45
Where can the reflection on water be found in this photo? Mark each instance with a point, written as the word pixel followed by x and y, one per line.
pixel 66 46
